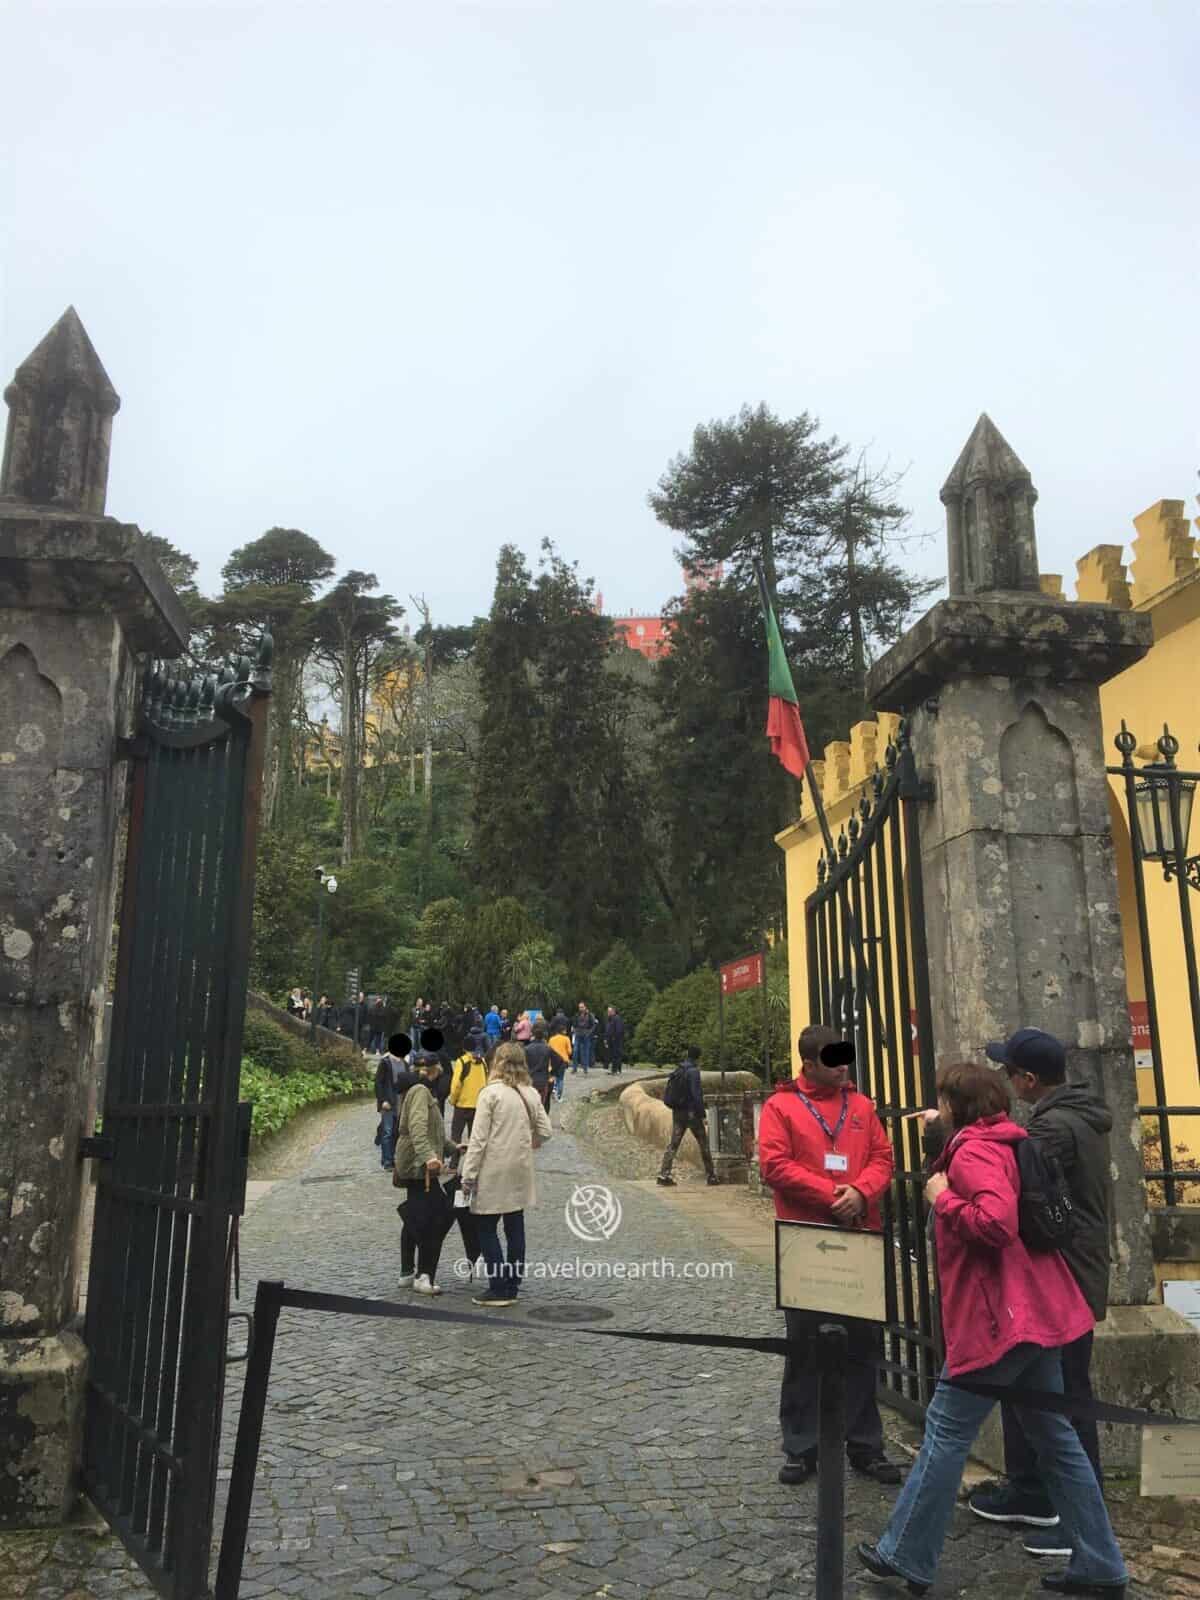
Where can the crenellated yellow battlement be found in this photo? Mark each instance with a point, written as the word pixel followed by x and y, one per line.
pixel 1164 553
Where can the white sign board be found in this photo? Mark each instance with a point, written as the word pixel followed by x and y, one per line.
pixel 838 1271
pixel 1183 1295
pixel 1171 1461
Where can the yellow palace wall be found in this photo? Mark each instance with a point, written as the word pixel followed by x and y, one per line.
pixel 1163 579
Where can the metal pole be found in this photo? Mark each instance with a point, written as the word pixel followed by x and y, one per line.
pixel 831 1465
pixel 312 1026
pixel 721 1026
pixel 249 1437
pixel 766 1010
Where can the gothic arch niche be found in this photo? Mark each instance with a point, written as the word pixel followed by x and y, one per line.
pixel 1046 882
pixel 31 713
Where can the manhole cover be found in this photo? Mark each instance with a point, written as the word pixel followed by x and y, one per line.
pixel 329 1177
pixel 569 1314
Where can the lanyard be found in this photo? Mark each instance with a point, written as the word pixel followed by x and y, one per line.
pixel 831 1132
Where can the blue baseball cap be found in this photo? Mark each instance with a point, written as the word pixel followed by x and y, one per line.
pixel 1031 1050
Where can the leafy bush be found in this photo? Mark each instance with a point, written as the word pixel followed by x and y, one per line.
pixel 686 1013
pixel 683 1013
pixel 620 980
pixel 274 1049
pixel 276 1100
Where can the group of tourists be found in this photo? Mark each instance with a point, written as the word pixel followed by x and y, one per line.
pixel 1018 1302
pixel 480 1174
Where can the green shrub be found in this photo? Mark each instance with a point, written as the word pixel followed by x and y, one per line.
pixel 274 1048
pixel 686 1013
pixel 683 1013
pixel 620 980
pixel 276 1100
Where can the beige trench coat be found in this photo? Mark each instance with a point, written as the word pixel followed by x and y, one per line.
pixel 499 1158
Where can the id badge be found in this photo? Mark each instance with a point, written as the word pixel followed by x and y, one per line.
pixel 836 1163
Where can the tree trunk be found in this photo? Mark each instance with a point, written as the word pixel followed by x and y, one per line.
pixel 858 652
pixel 349 757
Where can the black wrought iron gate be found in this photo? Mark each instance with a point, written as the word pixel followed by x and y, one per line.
pixel 873 984
pixel 172 1140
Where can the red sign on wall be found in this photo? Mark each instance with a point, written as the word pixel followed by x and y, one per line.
pixel 746 973
pixel 1139 1022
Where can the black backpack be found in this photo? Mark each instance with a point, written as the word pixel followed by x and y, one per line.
pixel 675 1094
pixel 1045 1215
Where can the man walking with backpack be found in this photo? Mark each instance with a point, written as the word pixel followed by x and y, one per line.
pixel 1069 1125
pixel 684 1095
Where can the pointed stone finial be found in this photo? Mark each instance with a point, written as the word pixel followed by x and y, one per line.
pixel 989 499
pixel 60 410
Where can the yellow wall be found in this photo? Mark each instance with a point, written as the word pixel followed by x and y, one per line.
pixel 1163 687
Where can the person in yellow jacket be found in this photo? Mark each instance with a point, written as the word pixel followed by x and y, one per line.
pixel 560 1043
pixel 468 1079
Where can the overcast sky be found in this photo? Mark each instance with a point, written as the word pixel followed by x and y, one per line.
pixel 420 279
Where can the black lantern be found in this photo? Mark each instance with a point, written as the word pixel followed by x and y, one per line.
pixel 1155 822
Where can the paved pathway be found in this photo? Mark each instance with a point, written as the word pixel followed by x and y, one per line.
pixel 534 1461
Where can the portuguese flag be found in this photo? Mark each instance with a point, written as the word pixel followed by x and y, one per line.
pixel 784 728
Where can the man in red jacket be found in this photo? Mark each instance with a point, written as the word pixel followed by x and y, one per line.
pixel 823 1151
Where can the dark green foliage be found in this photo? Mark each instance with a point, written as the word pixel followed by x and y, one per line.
pixel 676 1017
pixel 686 1013
pixel 556 807
pixel 719 797
pixel 271 583
pixel 754 485
pixel 620 980
pixel 274 1048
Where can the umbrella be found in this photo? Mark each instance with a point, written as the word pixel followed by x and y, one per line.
pixel 428 1214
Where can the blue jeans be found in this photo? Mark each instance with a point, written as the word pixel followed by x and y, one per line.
pixel 912 1540
pixel 387 1147
pixel 504 1277
pixel 585 1051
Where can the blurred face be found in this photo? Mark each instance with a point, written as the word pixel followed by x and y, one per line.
pixel 823 1077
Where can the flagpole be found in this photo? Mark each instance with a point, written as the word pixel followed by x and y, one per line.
pixel 851 920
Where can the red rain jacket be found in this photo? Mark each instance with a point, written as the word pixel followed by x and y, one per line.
pixel 995 1293
pixel 792 1146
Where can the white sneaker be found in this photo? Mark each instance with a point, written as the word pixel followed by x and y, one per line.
pixel 422 1285
pixel 405 1280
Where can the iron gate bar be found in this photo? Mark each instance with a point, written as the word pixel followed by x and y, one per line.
pixel 158 1293
pixel 874 878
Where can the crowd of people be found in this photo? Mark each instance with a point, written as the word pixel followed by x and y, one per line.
pixel 371 1019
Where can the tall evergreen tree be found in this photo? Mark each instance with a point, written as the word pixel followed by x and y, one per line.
pixel 351 630
pixel 753 486
pixel 561 816
pixel 271 582
pixel 719 798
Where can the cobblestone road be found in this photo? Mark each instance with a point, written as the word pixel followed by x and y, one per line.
pixel 536 1462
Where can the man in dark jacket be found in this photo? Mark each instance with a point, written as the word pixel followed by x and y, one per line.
pixel 392 1078
pixel 614 1038
pixel 583 1033
pixel 539 1059
pixel 688 1117
pixel 1072 1124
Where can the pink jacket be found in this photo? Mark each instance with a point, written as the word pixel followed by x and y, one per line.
pixel 995 1293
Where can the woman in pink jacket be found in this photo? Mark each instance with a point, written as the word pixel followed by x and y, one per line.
pixel 1006 1312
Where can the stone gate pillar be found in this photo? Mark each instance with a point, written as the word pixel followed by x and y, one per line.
pixel 80 596
pixel 1001 684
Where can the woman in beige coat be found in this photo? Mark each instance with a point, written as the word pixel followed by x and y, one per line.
pixel 497 1171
